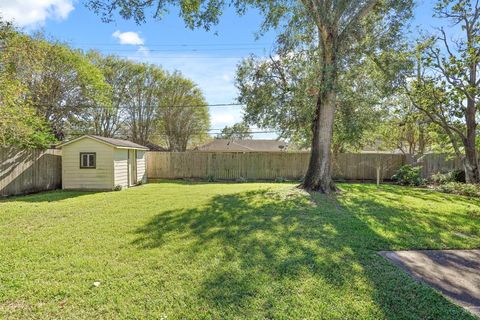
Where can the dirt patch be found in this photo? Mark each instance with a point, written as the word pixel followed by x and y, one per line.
pixel 455 273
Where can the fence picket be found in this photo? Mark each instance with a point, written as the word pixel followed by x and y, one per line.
pixel 26 171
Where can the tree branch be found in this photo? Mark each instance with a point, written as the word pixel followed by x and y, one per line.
pixel 363 11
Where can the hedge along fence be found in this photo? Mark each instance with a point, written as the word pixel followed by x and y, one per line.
pixel 267 165
pixel 28 171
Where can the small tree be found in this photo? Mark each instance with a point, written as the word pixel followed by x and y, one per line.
pixel 447 82
pixel 142 102
pixel 239 131
pixel 61 83
pixel 20 124
pixel 107 119
pixel 183 116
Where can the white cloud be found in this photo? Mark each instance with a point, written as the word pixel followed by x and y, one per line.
pixel 34 13
pixel 129 37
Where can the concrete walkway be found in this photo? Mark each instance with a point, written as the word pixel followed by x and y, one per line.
pixel 456 273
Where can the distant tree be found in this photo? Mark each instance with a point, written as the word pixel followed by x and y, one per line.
pixel 238 131
pixel 19 123
pixel 108 119
pixel 446 86
pixel 402 128
pixel 61 84
pixel 143 101
pixel 183 113
pixel 336 27
pixel 148 104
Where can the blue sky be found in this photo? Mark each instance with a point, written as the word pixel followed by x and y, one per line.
pixel 208 58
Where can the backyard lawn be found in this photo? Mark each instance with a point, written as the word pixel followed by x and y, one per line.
pixel 226 251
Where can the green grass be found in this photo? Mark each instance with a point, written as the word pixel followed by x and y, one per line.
pixel 226 251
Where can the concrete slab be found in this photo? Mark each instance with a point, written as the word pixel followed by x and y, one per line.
pixel 455 273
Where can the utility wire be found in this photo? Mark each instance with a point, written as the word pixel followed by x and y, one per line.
pixel 169 44
pixel 158 47
pixel 199 132
pixel 225 105
pixel 143 106
pixel 177 51
pixel 141 49
pixel 183 54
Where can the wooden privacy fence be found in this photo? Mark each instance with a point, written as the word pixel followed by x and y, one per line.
pixel 437 162
pixel 266 165
pixel 27 171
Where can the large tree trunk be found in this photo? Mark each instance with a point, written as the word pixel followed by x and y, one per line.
pixel 470 164
pixel 470 161
pixel 319 175
pixel 421 140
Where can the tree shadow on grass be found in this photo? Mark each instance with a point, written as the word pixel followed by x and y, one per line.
pixel 434 221
pixel 48 196
pixel 285 254
pixel 393 192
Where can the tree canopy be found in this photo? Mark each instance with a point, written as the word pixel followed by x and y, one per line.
pixel 445 85
pixel 238 131
pixel 51 92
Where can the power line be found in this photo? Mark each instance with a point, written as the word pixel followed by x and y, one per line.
pixel 224 105
pixel 142 106
pixel 156 47
pixel 191 57
pixel 169 44
pixel 185 55
pixel 173 50
pixel 194 133
pixel 269 131
pixel 149 49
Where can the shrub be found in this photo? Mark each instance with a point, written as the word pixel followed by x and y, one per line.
pixel 408 175
pixel 211 178
pixel 451 176
pixel 458 175
pixel 441 178
pixel 241 180
pixel 280 179
pixel 464 189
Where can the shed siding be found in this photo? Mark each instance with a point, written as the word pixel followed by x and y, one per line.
pixel 141 166
pixel 99 178
pixel 121 167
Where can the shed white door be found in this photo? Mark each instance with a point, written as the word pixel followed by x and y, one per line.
pixel 132 167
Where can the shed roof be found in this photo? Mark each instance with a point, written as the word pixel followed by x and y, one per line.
pixel 117 143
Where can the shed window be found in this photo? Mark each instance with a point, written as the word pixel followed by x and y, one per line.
pixel 88 160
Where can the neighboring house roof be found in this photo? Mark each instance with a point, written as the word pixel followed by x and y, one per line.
pixel 248 145
pixel 117 143
pixel 155 147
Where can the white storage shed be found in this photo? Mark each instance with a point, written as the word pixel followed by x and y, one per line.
pixel 99 163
